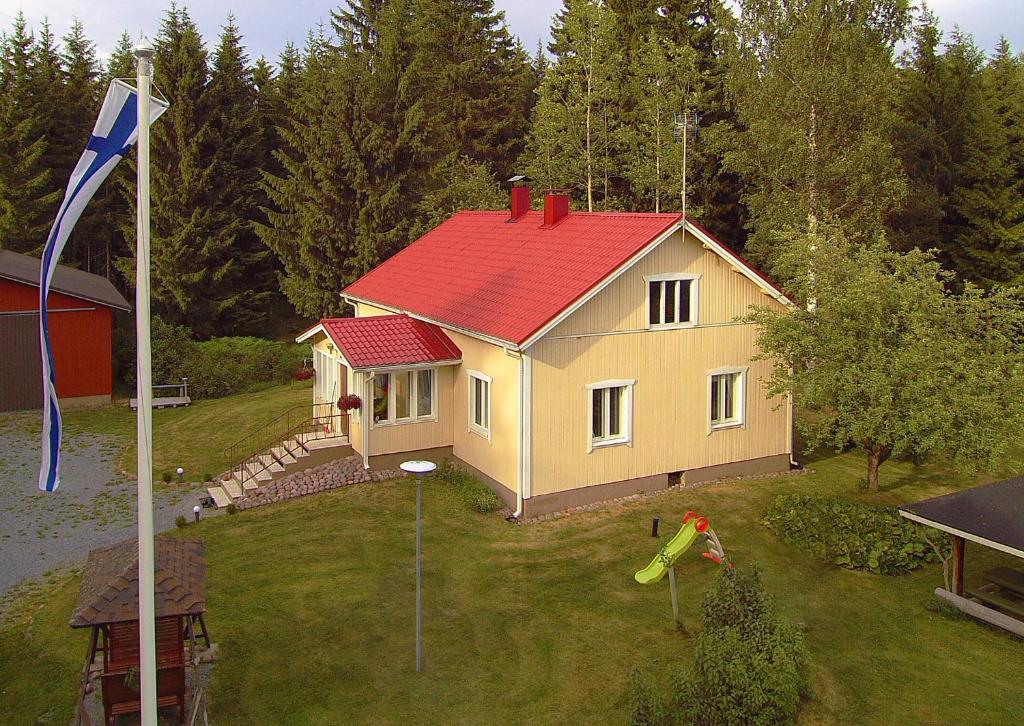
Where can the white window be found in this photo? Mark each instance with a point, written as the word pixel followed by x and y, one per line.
pixel 610 408
pixel 672 300
pixel 480 404
pixel 726 397
pixel 403 396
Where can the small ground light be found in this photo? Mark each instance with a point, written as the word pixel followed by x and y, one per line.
pixel 180 473
pixel 654 526
pixel 195 512
pixel 419 469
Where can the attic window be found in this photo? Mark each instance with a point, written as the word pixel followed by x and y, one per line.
pixel 672 301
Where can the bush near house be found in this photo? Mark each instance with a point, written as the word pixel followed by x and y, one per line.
pixel 467 488
pixel 852 535
pixel 749 667
pixel 215 368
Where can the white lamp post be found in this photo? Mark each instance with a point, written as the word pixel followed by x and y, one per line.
pixel 195 512
pixel 419 469
pixel 180 472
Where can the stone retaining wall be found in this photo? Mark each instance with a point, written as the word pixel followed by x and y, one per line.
pixel 332 475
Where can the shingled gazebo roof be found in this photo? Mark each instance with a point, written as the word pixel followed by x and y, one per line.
pixel 110 583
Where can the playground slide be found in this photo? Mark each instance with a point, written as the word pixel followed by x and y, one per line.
pixel 671 551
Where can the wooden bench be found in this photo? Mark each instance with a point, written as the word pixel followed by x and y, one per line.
pixel 1013 607
pixel 1007 578
pixel 120 698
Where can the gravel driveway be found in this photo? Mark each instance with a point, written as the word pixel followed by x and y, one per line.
pixel 94 506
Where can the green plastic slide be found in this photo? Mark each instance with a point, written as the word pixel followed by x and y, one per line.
pixel 668 554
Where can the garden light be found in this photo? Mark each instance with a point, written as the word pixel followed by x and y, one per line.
pixel 195 512
pixel 180 472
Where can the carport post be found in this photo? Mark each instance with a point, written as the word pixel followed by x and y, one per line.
pixel 958 565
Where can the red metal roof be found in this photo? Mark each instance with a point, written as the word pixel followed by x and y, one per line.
pixel 479 272
pixel 390 340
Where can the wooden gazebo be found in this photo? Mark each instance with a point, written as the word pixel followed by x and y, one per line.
pixel 108 603
pixel 991 516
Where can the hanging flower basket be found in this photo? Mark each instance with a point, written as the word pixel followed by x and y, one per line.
pixel 350 402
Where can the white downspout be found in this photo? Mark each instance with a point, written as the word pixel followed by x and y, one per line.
pixel 522 427
pixel 524 490
pixel 367 416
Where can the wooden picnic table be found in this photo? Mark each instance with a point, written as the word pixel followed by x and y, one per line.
pixel 1007 578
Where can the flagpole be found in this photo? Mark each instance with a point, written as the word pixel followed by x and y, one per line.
pixel 144 380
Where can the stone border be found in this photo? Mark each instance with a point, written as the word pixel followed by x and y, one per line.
pixel 507 513
pixel 332 475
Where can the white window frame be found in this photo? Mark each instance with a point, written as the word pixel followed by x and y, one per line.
pixel 694 280
pixel 392 400
pixel 739 396
pixel 484 431
pixel 626 437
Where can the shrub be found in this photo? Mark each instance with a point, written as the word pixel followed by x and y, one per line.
pixel 749 667
pixel 214 368
pixel 167 477
pixel 223 366
pixel 231 509
pixel 180 521
pixel 467 488
pixel 850 534
pixel 207 477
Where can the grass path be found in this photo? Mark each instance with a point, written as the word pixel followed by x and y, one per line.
pixel 312 604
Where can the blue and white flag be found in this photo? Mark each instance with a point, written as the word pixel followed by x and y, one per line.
pixel 115 132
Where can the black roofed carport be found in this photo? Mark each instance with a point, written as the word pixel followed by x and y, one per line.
pixel 991 516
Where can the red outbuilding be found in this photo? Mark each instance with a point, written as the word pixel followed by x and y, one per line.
pixel 80 309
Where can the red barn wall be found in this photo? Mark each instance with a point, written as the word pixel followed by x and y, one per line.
pixel 79 334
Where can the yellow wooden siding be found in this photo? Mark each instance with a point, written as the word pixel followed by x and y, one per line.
pixel 499 457
pixel 395 438
pixel 670 411
pixel 622 306
pixel 363 310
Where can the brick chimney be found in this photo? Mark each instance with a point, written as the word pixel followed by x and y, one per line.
pixel 520 202
pixel 556 208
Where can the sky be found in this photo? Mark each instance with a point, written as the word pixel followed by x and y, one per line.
pixel 268 24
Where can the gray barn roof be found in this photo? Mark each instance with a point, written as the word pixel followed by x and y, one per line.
pixel 66 280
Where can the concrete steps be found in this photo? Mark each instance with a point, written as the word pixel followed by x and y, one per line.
pixel 220 497
pixel 275 463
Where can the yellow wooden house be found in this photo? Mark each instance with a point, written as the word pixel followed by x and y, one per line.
pixel 563 357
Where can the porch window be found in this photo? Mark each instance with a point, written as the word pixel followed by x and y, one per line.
pixel 672 300
pixel 403 397
pixel 611 414
pixel 425 393
pixel 726 397
pixel 480 404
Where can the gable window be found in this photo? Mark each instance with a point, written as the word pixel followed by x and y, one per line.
pixel 672 300
pixel 610 408
pixel 403 396
pixel 726 397
pixel 480 404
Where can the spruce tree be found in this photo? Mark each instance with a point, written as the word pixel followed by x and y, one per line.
pixel 311 212
pixel 922 139
pixel 195 276
pixel 80 102
pixel 236 133
pixel 987 208
pixel 28 200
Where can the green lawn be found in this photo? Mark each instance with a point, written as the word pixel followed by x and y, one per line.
pixel 194 437
pixel 312 604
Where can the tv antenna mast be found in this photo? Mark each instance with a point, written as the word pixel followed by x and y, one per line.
pixel 684 125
